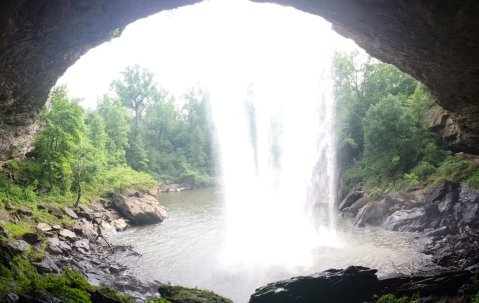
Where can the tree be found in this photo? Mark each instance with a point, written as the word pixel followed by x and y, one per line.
pixel 60 138
pixel 117 126
pixel 135 90
pixel 136 155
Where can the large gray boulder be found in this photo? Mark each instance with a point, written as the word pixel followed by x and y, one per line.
pixel 139 209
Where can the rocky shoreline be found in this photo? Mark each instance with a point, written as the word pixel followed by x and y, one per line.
pixel 446 215
pixel 83 246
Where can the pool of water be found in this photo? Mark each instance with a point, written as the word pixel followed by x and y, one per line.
pixel 188 249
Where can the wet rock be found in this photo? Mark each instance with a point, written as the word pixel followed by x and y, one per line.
pixel 405 220
pixel 67 234
pixel 139 210
pixel 32 238
pixel 357 206
pixel 350 198
pixel 44 227
pixel 374 213
pixel 435 286
pixel 353 284
pixel 70 212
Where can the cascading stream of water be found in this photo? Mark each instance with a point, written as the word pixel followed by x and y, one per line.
pixel 277 161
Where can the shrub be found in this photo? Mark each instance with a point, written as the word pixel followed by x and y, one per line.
pixel 423 170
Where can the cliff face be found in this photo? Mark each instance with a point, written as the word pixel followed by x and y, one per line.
pixel 434 40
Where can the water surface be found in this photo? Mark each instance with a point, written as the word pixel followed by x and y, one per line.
pixel 188 249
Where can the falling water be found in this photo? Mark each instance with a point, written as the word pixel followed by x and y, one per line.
pixel 276 149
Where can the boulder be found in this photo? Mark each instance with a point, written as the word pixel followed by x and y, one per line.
pixel 350 198
pixel 372 214
pixel 353 284
pixel 406 220
pixel 139 209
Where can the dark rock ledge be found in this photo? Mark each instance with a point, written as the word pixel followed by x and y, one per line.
pixel 360 284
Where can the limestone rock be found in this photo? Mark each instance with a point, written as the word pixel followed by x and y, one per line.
pixel 139 210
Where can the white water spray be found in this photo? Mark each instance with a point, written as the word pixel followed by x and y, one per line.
pixel 276 149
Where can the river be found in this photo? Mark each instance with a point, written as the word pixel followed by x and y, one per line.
pixel 187 249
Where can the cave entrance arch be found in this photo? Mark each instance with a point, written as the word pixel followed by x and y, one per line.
pixel 436 41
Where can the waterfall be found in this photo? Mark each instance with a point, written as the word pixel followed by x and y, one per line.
pixel 276 148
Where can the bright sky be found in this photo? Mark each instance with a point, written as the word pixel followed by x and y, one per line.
pixel 213 41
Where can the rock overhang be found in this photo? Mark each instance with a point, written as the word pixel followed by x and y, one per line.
pixel 436 41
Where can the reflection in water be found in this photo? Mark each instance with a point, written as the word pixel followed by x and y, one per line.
pixel 186 249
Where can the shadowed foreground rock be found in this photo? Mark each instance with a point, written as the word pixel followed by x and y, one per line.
pixel 353 284
pixel 360 284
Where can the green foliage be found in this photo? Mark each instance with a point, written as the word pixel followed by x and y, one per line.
pixel 69 286
pixel 122 178
pixel 390 298
pixel 135 90
pixel 59 139
pixel 383 139
pixel 179 294
pixel 16 230
pixel 136 155
pixel 117 127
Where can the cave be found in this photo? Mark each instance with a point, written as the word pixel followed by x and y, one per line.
pixel 434 41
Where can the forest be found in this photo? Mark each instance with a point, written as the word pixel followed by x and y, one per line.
pixel 384 139
pixel 137 137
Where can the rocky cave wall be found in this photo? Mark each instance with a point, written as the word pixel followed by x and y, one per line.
pixel 436 41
